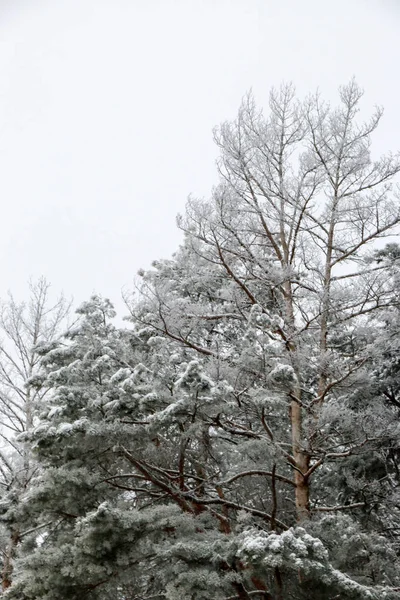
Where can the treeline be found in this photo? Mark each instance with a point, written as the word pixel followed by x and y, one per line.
pixel 239 437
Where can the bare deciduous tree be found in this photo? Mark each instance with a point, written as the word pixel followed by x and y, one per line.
pixel 23 326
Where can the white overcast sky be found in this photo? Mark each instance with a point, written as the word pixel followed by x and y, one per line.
pixel 107 110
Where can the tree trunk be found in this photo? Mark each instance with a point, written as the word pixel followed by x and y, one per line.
pixel 301 457
pixel 6 578
pixel 302 489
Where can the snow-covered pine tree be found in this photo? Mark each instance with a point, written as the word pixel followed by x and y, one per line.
pixel 106 491
pixel 76 442
pixel 289 228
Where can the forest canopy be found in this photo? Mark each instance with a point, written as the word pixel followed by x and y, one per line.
pixel 239 437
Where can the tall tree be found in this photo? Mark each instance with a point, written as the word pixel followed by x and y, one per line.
pixel 300 200
pixel 290 226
